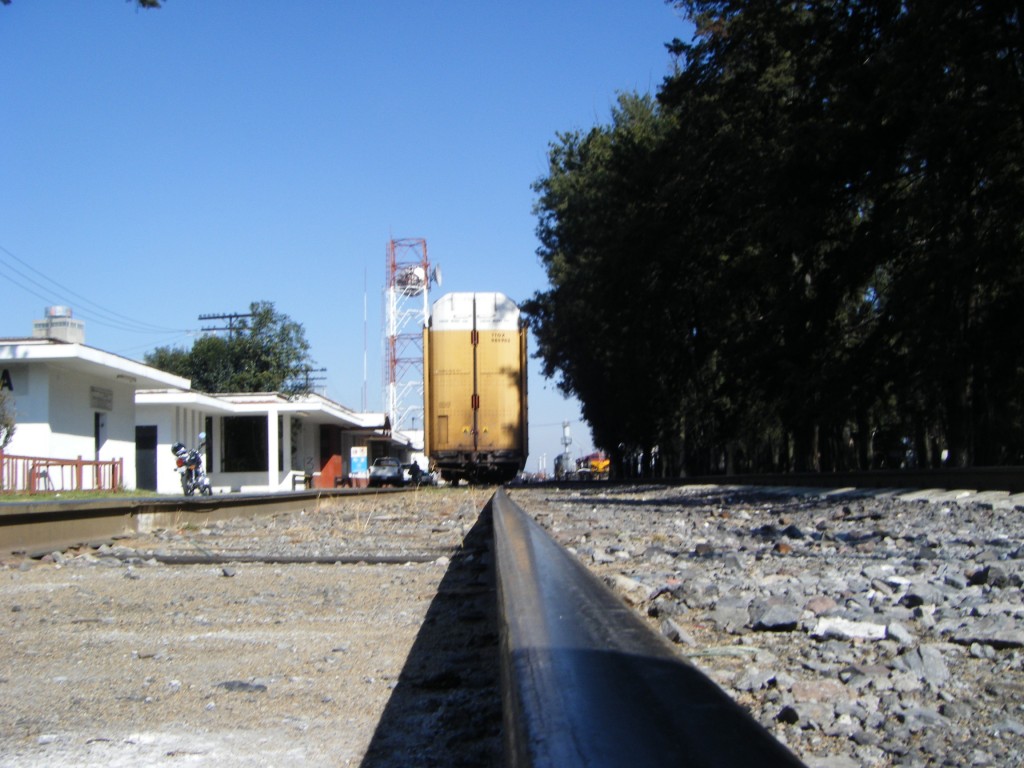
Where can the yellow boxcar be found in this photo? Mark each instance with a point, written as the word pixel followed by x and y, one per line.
pixel 474 388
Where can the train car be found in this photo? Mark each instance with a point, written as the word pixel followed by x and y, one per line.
pixel 474 388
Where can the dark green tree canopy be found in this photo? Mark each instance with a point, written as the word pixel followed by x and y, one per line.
pixel 807 250
pixel 265 352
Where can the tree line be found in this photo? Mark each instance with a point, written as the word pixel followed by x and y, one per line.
pixel 804 251
pixel 265 351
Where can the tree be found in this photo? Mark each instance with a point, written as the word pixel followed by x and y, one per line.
pixel 7 419
pixel 599 215
pixel 824 218
pixel 266 352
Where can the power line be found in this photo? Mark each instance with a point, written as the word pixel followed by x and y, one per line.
pixel 98 314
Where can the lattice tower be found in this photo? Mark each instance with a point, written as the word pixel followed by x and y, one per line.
pixel 407 309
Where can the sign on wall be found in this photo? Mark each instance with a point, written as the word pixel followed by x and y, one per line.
pixel 101 399
pixel 358 461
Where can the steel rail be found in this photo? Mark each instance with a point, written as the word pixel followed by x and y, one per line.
pixel 1009 479
pixel 586 683
pixel 39 527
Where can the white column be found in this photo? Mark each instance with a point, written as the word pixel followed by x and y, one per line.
pixel 273 467
pixel 286 441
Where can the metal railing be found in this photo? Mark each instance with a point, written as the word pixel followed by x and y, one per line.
pixel 34 474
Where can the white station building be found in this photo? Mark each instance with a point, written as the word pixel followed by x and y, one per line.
pixel 72 401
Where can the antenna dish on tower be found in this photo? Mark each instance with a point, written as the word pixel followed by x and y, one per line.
pixel 435 275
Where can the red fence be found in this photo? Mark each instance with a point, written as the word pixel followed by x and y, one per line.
pixel 30 474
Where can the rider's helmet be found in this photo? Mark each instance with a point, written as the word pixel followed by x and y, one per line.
pixel 177 448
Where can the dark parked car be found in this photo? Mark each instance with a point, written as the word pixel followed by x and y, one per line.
pixel 386 470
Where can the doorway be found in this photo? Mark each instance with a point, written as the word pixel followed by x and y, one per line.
pixel 99 431
pixel 145 458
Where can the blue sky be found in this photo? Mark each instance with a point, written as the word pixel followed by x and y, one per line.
pixel 159 165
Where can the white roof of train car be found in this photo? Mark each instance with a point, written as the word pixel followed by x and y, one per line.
pixel 494 312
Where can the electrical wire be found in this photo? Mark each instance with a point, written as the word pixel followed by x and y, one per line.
pixel 98 314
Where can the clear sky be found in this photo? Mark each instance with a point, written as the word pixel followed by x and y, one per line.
pixel 159 165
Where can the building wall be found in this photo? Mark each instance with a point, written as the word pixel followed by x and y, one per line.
pixel 31 407
pixel 55 411
pixel 179 424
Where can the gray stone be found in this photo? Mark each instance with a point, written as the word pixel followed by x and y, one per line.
pixel 1009 725
pixel 731 613
pixel 792 532
pixel 922 594
pixel 896 631
pixel 774 616
pixel 833 761
pixel 676 633
pixel 599 556
pixel 927 663
pixel 980 651
pixel 956 710
pixel 844 629
pixel 859 676
pixel 819 691
pixel 997 631
pixel 905 682
pixel 240 686
pixel 754 679
pixel 955 580
pixel 734 561
pixel 919 718
pixel 820 605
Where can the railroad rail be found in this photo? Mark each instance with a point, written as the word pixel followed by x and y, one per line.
pixel 1004 479
pixel 586 683
pixel 39 527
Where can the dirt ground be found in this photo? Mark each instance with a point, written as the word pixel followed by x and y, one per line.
pixel 110 658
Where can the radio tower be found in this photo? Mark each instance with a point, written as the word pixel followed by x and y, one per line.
pixel 407 308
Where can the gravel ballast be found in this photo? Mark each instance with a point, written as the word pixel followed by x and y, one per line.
pixel 862 630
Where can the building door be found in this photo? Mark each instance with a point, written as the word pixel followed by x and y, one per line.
pixel 99 425
pixel 145 458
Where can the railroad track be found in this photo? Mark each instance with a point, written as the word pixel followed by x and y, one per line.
pixel 584 681
pixel 36 528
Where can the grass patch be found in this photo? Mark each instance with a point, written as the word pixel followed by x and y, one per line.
pixel 73 495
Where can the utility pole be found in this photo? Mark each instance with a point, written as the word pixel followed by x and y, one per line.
pixel 309 381
pixel 230 317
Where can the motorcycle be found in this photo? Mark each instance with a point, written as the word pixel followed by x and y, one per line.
pixel 190 466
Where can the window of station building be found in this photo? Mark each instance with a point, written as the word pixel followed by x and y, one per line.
pixel 245 444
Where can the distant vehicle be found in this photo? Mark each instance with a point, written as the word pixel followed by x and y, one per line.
pixel 596 466
pixel 474 389
pixel 386 470
pixel 189 464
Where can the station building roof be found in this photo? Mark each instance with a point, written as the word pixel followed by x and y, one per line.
pixel 76 357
